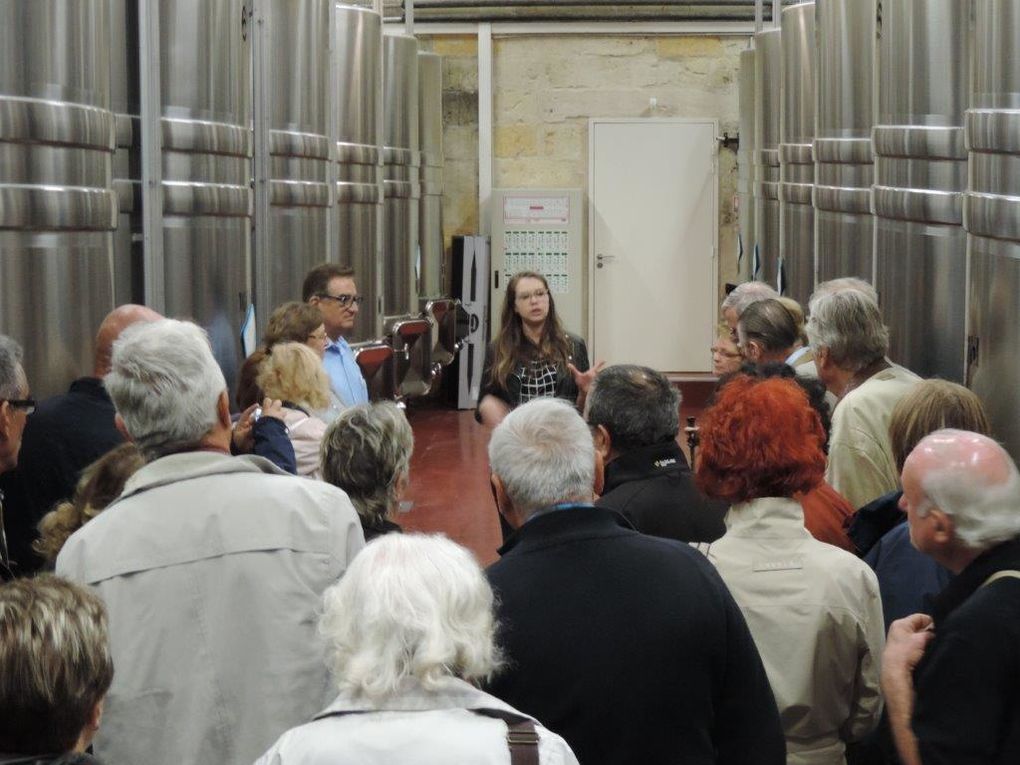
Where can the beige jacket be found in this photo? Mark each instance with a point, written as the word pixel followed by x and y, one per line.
pixel 212 568
pixel 861 465
pixel 815 614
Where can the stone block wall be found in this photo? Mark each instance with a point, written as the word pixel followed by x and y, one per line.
pixel 545 89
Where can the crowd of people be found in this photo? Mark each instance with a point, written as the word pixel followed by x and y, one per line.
pixel 835 579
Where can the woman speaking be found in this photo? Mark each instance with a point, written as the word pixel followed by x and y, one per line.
pixel 532 356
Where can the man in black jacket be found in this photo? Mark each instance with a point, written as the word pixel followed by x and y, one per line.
pixel 629 646
pixel 65 434
pixel 950 679
pixel 634 414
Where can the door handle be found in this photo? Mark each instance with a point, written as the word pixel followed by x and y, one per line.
pixel 600 259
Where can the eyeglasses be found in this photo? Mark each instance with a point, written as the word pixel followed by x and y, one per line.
pixel 343 300
pixel 524 297
pixel 318 336
pixel 28 404
pixel 716 350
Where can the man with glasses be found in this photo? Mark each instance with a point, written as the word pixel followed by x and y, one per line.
pixel 332 290
pixel 15 406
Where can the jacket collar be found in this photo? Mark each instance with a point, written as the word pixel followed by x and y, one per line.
pixel 767 517
pixel 575 522
pixel 646 462
pixel 187 465
pixel 90 386
pixel 1002 557
pixel 412 696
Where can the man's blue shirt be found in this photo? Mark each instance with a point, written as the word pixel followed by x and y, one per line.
pixel 344 373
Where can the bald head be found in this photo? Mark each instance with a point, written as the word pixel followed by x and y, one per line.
pixel 972 479
pixel 116 322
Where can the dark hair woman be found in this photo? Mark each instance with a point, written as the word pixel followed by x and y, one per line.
pixel 531 356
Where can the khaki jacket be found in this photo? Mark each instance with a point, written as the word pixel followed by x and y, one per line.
pixel 861 465
pixel 815 614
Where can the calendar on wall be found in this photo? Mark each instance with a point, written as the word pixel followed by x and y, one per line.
pixel 540 230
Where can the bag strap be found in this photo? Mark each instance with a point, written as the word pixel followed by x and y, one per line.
pixel 1007 574
pixel 521 736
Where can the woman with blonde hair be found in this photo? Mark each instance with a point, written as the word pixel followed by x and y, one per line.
pixel 726 354
pixel 291 322
pixel 293 373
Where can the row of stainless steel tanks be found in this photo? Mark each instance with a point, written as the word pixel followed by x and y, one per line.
pixel 201 157
pixel 886 145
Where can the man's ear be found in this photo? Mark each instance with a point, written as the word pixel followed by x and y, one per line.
pixel 944 527
pixel 600 473
pixel 6 410
pixel 753 351
pixel 223 410
pixel 118 422
pixel 603 441
pixel 822 358
pixel 503 503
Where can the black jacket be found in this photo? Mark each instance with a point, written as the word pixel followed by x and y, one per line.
pixel 967 707
pixel 629 646
pixel 653 488
pixel 65 434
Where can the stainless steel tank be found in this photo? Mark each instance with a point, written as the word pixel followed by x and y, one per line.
pixel 796 167
pixel 205 87
pixel 992 217
pixel 920 176
pixel 845 32
pixel 767 77
pixel 745 167
pixel 357 72
pixel 401 159
pixel 292 147
pixel 127 240
pixel 434 277
pixel 431 273
pixel 57 205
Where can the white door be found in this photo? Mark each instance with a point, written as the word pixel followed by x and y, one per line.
pixel 653 229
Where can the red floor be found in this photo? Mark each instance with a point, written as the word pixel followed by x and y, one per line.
pixel 450 481
pixel 450 474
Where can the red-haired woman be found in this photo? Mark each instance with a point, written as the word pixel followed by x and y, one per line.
pixel 531 356
pixel 813 609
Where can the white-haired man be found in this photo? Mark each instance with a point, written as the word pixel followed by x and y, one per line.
pixel 629 646
pixel 734 304
pixel 961 493
pixel 850 343
pixel 212 568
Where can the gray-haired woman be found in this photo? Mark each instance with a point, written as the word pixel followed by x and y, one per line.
pixel 408 629
pixel 367 453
